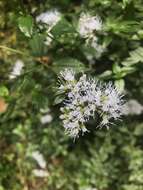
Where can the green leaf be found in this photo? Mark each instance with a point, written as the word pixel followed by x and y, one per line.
pixel 72 63
pixel 3 91
pixel 37 45
pixel 119 26
pixel 123 72
pixel 139 130
pixel 125 3
pixel 120 84
pixel 128 70
pixel 116 68
pixel 135 57
pixel 106 75
pixel 59 99
pixel 25 24
pixel 62 27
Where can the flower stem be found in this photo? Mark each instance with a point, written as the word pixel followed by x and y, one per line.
pixel 12 50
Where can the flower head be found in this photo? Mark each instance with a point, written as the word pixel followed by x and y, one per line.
pixel 88 24
pixel 112 101
pixel 50 17
pixel 87 27
pixel 84 98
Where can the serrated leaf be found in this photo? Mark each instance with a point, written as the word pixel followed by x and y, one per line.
pixel 135 57
pixel 25 24
pixel 72 63
pixel 128 70
pixel 119 26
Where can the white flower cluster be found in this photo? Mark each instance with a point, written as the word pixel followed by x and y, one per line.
pixel 87 27
pixel 49 18
pixel 85 97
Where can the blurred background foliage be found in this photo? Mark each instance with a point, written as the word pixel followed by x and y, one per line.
pixel 102 159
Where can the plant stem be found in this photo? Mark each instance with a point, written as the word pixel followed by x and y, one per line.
pixel 12 50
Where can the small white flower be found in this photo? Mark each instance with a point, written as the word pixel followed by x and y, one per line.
pixel 39 158
pixel 40 173
pixel 16 69
pixel 46 118
pixel 50 17
pixel 88 25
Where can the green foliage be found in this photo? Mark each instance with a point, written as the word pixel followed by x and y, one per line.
pixel 36 45
pixel 71 63
pixel 102 159
pixel 26 25
pixel 135 57
pixel 3 91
